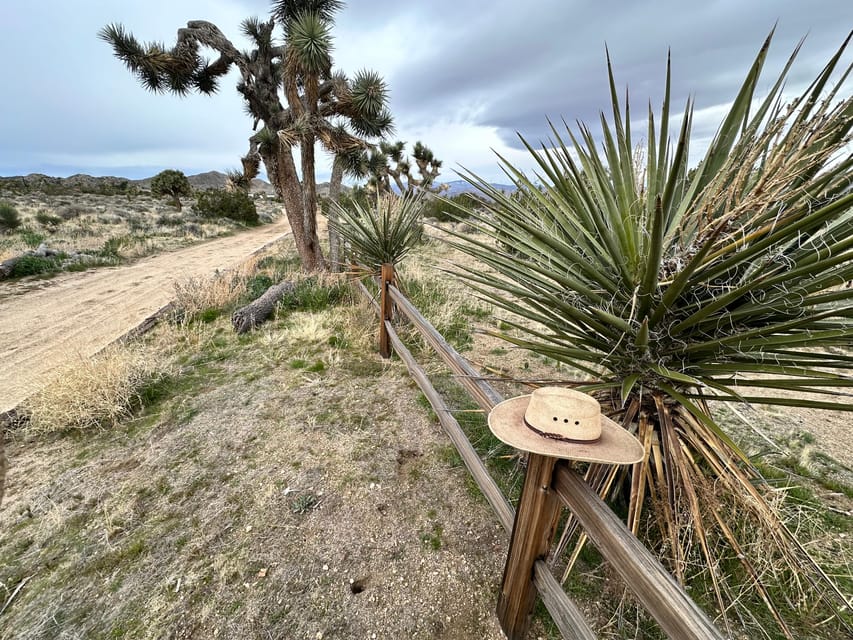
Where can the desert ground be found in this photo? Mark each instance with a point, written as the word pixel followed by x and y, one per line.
pixel 288 483
pixel 44 321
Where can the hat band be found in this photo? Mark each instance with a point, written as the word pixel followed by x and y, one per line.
pixel 556 436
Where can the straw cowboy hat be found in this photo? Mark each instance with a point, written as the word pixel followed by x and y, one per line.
pixel 563 423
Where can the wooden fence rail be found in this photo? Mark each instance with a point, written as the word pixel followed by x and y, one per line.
pixel 661 595
pixel 549 484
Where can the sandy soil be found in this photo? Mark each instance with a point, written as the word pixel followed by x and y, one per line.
pixel 42 321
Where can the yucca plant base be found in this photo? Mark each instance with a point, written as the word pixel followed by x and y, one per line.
pixel 667 288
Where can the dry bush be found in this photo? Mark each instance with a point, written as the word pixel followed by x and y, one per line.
pixel 193 296
pixel 95 392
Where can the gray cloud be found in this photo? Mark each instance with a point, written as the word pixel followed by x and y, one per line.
pixel 500 66
pixel 548 60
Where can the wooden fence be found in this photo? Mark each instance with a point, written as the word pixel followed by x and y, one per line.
pixel 549 485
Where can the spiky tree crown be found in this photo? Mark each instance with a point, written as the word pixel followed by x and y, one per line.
pixel 348 111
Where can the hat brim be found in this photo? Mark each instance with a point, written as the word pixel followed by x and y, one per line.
pixel 615 446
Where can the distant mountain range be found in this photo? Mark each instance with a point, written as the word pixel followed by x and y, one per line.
pixel 83 183
pixel 212 180
pixel 456 187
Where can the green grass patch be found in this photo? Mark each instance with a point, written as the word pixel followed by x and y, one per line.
pixel 257 285
pixel 500 459
pixel 311 295
pixel 36 265
pixel 453 319
pixel 208 315
pixel 31 238
pixel 124 554
pixel 280 265
pixel 432 539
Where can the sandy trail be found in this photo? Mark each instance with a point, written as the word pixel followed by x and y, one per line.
pixel 45 321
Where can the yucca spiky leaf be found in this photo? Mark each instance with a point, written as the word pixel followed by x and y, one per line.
pixel 310 43
pixel 671 287
pixel 383 233
pixel 286 11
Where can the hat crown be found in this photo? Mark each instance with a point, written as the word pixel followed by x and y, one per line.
pixel 565 413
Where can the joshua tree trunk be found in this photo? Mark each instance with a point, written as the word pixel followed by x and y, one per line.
pixel 309 200
pixel 334 196
pixel 282 174
pixel 309 183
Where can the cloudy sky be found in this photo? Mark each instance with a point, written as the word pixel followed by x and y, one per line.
pixel 465 75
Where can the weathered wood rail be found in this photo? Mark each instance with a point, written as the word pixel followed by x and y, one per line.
pixel 549 485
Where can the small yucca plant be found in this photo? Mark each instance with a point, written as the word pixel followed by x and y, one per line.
pixel 380 234
pixel 670 287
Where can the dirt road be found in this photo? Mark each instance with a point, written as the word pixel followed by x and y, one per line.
pixel 43 322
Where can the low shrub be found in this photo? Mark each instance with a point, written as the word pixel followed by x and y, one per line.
pixel 34 265
pixel 113 246
pixel 9 218
pixel 47 219
pixel 71 211
pixel 193 229
pixel 169 221
pixel 450 209
pixel 31 238
pixel 235 205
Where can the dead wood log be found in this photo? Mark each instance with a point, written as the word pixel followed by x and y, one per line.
pixel 8 420
pixel 2 462
pixel 248 317
pixel 7 266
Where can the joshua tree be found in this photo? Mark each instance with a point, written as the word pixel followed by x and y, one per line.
pixel 669 290
pixel 289 88
pixel 390 162
pixel 171 183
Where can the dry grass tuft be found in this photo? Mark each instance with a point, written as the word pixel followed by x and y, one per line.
pixel 95 392
pixel 193 296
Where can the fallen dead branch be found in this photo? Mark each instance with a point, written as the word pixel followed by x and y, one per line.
pixel 247 318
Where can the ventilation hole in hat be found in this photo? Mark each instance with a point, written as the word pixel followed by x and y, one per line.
pixel 577 421
pixel 566 420
pixel 555 418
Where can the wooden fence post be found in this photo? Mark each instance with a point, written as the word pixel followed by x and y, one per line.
pixel 385 308
pixel 532 535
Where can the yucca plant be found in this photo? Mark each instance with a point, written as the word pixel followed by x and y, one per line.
pixel 668 288
pixel 380 234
